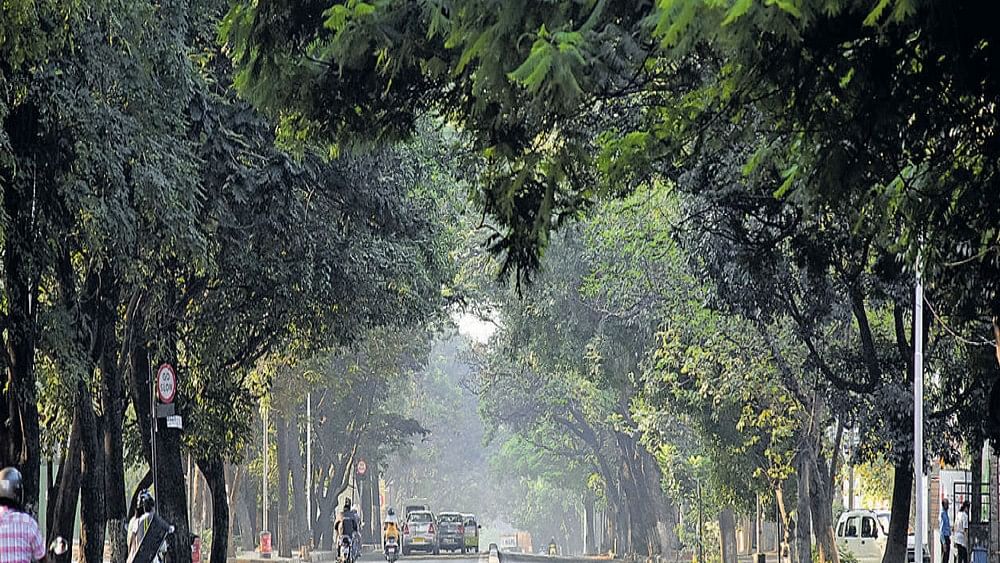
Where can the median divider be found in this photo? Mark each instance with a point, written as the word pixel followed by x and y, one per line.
pixel 516 557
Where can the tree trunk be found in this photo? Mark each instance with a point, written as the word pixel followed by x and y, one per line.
pixel 803 521
pixel 787 527
pixel 821 505
pixel 899 524
pixel 727 533
pixel 248 526
pixel 298 483
pixel 19 430
pixel 215 477
pixel 93 515
pixel 197 497
pixel 976 472
pixel 589 546
pixel 171 497
pixel 114 474
pixel 62 506
pixel 235 482
pixel 281 445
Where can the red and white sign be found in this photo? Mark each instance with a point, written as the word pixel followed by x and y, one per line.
pixel 166 384
pixel 362 467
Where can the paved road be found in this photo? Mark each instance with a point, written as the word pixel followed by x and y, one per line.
pixel 443 558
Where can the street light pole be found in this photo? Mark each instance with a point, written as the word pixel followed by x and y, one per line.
pixel 918 417
pixel 264 475
pixel 701 528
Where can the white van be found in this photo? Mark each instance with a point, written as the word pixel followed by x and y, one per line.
pixel 864 534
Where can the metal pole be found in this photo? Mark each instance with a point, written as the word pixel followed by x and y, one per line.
pixel 777 528
pixel 757 526
pixel 918 417
pixel 264 475
pixel 309 463
pixel 701 528
pixel 152 425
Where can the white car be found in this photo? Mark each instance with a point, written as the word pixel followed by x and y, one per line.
pixel 864 534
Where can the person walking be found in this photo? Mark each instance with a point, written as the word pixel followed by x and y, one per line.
pixel 945 527
pixel 20 539
pixel 961 532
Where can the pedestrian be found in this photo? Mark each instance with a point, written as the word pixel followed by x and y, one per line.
pixel 961 532
pixel 20 539
pixel 945 526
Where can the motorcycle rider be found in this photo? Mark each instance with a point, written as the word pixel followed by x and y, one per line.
pixel 20 539
pixel 349 524
pixel 390 528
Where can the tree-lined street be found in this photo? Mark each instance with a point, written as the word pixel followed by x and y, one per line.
pixel 656 280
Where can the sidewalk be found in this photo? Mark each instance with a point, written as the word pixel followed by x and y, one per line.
pixel 770 557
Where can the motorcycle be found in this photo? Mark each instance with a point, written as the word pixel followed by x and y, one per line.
pixel 391 550
pixel 345 551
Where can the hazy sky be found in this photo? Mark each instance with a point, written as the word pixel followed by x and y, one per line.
pixel 473 327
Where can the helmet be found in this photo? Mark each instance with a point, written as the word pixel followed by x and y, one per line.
pixel 11 485
pixel 347 504
pixel 145 502
pixel 392 512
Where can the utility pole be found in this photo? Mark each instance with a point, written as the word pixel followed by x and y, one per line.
pixel 701 528
pixel 918 415
pixel 264 475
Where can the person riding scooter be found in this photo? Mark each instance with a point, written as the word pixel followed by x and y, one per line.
pixel 20 537
pixel 390 529
pixel 348 527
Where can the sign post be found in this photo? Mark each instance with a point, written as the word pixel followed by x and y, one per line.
pixel 918 417
pixel 162 392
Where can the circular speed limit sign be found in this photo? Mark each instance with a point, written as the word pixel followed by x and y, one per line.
pixel 362 467
pixel 166 384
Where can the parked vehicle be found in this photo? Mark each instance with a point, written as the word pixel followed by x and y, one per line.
pixel 451 531
pixel 472 528
pixel 864 534
pixel 420 533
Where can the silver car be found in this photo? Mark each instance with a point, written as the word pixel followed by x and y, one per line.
pixel 420 533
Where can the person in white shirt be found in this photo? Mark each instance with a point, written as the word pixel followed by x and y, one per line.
pixel 961 533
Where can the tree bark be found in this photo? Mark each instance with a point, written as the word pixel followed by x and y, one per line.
pixel 788 528
pixel 589 546
pixel 215 477
pixel 298 483
pixel 821 505
pixel 62 506
pixel 803 521
pixel 234 484
pixel 248 525
pixel 899 524
pixel 197 500
pixel 976 472
pixel 19 430
pixel 93 515
pixel 114 474
pixel 727 533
